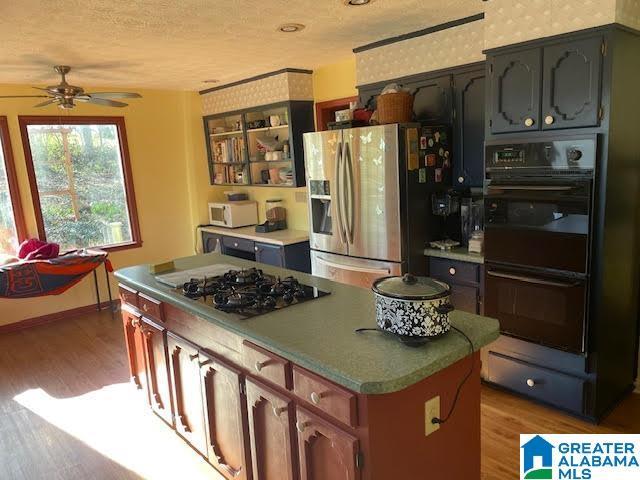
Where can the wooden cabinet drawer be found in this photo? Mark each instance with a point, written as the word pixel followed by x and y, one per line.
pixel 128 295
pixel 559 389
pixel 239 244
pixel 454 271
pixel 150 307
pixel 266 365
pixel 331 399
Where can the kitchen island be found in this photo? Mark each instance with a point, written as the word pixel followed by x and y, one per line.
pixel 297 393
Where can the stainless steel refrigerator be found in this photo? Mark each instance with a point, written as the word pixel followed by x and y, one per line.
pixel 368 203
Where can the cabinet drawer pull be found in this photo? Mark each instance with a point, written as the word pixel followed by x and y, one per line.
pixel 235 244
pixel 277 411
pixel 316 397
pixel 301 426
pixel 260 365
pixel 145 307
pixel 256 248
pixel 529 122
pixel 460 179
pixel 531 382
pixel 452 271
pixel 549 120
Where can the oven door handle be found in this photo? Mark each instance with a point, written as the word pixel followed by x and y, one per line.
pixel 536 281
pixel 537 188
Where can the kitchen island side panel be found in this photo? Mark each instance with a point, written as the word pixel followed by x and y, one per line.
pixel 397 444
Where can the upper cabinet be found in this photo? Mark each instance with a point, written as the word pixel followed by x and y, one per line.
pixel 515 91
pixel 468 151
pixel 432 99
pixel 259 146
pixel 571 84
pixel 545 88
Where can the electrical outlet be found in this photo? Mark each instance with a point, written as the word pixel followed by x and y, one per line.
pixel 431 410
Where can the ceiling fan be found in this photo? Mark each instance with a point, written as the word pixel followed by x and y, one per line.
pixel 65 95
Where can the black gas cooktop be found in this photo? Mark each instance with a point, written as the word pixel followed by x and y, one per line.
pixel 249 292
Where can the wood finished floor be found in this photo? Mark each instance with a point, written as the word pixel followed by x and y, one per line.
pixel 67 412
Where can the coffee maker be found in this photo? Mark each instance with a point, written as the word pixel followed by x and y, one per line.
pixel 276 217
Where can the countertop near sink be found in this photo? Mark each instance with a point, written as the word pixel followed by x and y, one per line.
pixel 458 253
pixel 279 237
pixel 320 334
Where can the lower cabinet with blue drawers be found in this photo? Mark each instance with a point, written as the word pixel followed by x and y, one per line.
pixel 294 256
pixel 465 280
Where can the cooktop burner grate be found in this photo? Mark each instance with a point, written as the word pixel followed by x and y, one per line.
pixel 249 292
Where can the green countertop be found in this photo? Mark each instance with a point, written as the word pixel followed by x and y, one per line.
pixel 458 253
pixel 319 335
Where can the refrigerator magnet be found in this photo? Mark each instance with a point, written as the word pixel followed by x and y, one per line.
pixel 423 143
pixel 430 160
pixel 438 175
pixel 413 162
pixel 422 175
pixel 446 163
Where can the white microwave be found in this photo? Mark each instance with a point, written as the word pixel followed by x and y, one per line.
pixel 233 214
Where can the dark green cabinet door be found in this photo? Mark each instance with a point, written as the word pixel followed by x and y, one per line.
pixel 571 84
pixel 269 254
pixel 432 99
pixel 468 154
pixel 515 91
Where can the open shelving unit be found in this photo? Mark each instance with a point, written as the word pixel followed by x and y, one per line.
pixel 234 149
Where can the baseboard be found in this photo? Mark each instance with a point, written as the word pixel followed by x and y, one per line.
pixel 52 317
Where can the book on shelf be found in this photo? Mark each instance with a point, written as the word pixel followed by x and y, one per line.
pixel 229 150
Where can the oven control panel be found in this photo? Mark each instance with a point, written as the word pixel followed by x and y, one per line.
pixel 566 153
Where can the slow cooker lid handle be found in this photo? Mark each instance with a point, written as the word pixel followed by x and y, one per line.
pixel 409 279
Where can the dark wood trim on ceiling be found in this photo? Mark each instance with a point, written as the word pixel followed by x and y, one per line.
pixel 420 33
pixel 119 122
pixel 12 180
pixel 257 77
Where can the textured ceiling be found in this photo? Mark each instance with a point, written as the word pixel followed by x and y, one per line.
pixel 176 44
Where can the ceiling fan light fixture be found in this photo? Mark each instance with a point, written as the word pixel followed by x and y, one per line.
pixel 291 27
pixel 357 3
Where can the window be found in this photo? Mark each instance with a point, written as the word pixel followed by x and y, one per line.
pixel 12 229
pixel 81 181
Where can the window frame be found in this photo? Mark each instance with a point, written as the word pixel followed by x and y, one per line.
pixel 26 121
pixel 12 180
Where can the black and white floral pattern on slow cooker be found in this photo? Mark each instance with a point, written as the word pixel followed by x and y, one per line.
pixel 411 317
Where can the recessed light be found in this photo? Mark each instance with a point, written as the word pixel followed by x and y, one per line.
pixel 290 27
pixel 357 3
pixel 211 80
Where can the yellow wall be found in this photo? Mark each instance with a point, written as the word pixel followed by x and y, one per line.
pixel 170 175
pixel 330 82
pixel 337 80
pixel 161 143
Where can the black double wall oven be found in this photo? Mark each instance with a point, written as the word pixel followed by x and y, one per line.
pixel 538 203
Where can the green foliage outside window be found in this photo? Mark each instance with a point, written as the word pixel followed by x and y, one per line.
pixel 81 184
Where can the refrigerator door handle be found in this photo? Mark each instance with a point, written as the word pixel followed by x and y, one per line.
pixel 353 268
pixel 339 200
pixel 349 209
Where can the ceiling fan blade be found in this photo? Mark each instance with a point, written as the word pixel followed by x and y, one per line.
pixel 48 102
pixel 101 101
pixel 24 96
pixel 115 95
